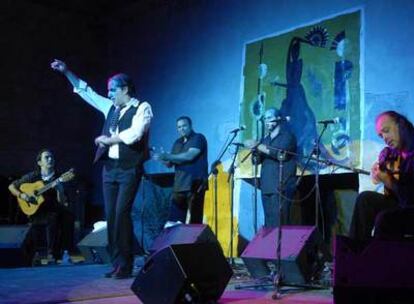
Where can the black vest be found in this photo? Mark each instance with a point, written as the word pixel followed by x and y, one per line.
pixel 131 155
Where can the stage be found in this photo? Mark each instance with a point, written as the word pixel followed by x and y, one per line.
pixel 85 283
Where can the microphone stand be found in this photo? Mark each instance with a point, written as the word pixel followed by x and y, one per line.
pixel 214 172
pixel 255 172
pixel 231 181
pixel 277 280
pixel 256 186
pixel 276 276
pixel 316 151
pixel 323 161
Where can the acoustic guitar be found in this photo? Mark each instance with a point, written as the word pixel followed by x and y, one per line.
pixel 36 189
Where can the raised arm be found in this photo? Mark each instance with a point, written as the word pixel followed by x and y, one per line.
pixel 60 66
pixel 99 102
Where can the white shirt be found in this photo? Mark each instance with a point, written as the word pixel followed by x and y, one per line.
pixel 140 122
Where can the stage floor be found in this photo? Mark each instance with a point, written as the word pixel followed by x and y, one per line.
pixel 85 284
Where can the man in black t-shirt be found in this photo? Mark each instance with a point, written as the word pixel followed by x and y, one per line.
pixel 189 158
pixel 53 212
pixel 279 145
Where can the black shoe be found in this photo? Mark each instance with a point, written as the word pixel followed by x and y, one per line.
pixel 123 274
pixel 112 273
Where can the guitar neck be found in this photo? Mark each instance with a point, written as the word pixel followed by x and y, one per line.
pixel 47 187
pixel 63 178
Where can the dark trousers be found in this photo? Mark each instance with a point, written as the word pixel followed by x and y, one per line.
pixel 181 201
pixel 119 190
pixel 270 202
pixel 59 222
pixel 368 206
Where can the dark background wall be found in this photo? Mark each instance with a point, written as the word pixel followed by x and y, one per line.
pixel 38 108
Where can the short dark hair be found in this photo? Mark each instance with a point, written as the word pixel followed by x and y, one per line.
pixel 185 118
pixel 123 80
pixel 405 128
pixel 39 154
pixel 275 112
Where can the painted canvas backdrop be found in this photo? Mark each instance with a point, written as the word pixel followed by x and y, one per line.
pixel 310 73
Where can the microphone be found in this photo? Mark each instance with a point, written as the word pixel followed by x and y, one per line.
pixel 238 145
pixel 334 120
pixel 281 118
pixel 241 128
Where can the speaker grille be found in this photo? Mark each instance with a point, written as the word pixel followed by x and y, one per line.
pixel 300 253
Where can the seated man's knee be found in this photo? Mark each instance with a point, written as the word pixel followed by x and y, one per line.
pixel 363 200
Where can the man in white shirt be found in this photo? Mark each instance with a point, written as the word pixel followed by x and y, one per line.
pixel 123 148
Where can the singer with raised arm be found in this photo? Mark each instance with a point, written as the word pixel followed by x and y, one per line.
pixel 278 145
pixel 189 158
pixel 391 213
pixel 123 149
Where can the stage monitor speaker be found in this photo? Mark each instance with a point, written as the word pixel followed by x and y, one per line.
pixel 301 253
pixel 183 234
pixel 183 273
pixel 16 248
pixel 94 247
pixel 376 271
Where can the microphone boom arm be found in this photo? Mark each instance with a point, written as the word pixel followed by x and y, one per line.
pixel 324 161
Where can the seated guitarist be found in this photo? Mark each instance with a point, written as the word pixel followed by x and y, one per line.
pixel 391 213
pixel 53 212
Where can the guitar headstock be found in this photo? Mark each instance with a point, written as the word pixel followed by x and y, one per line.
pixel 67 176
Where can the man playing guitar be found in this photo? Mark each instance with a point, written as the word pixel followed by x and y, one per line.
pixel 51 208
pixel 391 213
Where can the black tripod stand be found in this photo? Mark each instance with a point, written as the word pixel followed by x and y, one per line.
pixel 278 277
pixel 316 151
pixel 214 172
pixel 275 278
pixel 231 182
